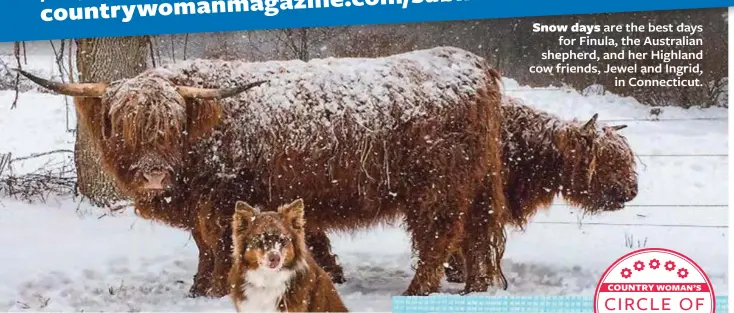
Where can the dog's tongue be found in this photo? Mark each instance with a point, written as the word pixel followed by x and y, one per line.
pixel 273 260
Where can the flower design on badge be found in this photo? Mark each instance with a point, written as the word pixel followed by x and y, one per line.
pixel 626 273
pixel 670 266
pixel 654 264
pixel 639 265
pixel 682 273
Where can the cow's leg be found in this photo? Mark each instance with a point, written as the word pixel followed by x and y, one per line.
pixel 435 229
pixel 495 259
pixel 320 247
pixel 483 245
pixel 222 259
pixel 456 271
pixel 202 278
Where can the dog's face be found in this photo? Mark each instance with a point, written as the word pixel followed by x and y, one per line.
pixel 270 241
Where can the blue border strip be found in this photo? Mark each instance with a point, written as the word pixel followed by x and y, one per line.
pixel 519 304
pixel 24 19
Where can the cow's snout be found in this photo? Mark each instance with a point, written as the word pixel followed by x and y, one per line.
pixel 156 180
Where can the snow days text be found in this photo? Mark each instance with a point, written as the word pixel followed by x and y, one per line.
pixel 579 55
pixel 563 57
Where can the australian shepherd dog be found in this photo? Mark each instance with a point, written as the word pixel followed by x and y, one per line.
pixel 272 269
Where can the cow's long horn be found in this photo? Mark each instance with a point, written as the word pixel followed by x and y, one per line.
pixel 618 127
pixel 591 122
pixel 71 89
pixel 204 93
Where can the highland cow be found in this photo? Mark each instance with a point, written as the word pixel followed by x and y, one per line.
pixel 363 140
pixel 543 157
pixel 273 270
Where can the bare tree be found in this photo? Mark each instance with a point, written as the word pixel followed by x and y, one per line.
pixel 224 46
pixel 103 59
pixel 300 43
pixel 372 42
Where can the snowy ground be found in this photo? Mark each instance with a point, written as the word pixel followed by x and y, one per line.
pixel 61 256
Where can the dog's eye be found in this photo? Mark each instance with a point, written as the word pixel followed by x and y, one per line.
pixel 283 240
pixel 267 240
pixel 275 239
pixel 254 242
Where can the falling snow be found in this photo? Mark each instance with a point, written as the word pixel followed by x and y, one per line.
pixel 377 93
pixel 64 257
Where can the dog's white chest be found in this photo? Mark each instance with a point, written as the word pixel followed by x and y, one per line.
pixel 260 300
pixel 265 290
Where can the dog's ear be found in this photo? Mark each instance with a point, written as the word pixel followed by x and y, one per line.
pixel 293 214
pixel 244 207
pixel 244 215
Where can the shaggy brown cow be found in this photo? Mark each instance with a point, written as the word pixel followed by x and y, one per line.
pixel 362 140
pixel 544 156
pixel 590 167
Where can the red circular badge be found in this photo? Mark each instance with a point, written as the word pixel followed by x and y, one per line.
pixel 654 279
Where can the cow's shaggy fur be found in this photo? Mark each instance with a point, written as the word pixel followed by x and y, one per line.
pixel 362 140
pixel 591 167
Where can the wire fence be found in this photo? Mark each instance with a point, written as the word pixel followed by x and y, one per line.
pixel 663 205
pixel 632 224
pixel 581 222
pixel 723 225
pixel 688 119
pixel 692 155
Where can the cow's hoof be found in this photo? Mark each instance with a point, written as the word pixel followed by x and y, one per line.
pixel 477 286
pixel 198 290
pixel 337 276
pixel 217 293
pixel 418 291
pixel 193 293
pixel 455 277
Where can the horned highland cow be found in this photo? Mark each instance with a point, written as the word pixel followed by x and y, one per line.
pixel 544 156
pixel 591 167
pixel 362 141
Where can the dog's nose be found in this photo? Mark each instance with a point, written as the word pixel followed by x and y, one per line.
pixel 155 180
pixel 273 256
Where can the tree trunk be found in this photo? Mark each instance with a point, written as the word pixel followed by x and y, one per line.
pixel 103 60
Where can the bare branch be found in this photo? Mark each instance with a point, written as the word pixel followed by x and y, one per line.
pixel 71 58
pixel 186 45
pixel 173 48
pixel 25 53
pixel 16 52
pixel 37 155
pixel 48 179
pixel 152 52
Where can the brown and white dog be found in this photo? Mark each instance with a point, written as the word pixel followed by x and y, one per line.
pixel 273 271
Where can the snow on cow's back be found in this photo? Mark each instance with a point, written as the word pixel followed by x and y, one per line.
pixel 378 93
